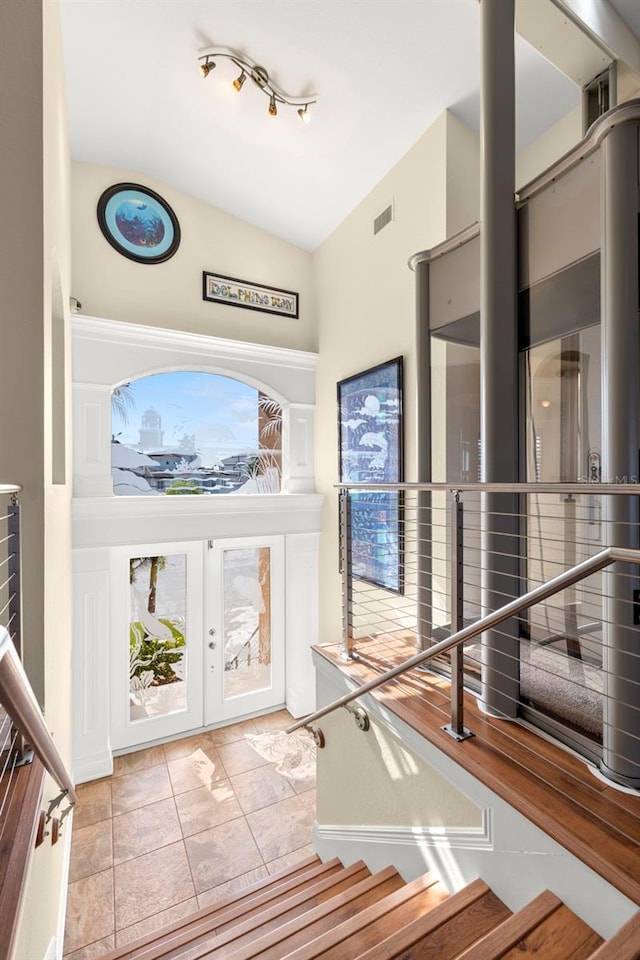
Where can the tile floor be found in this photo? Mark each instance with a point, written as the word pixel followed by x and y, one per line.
pixel 182 824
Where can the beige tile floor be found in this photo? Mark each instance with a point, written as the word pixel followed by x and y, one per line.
pixel 178 826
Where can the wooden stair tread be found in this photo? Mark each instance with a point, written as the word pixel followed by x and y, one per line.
pixel 296 909
pixel 278 941
pixel 544 928
pixel 624 945
pixel 230 937
pixel 259 895
pixel 403 906
pixel 446 930
pixel 546 784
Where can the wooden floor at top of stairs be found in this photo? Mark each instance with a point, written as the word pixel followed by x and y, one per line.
pixel 551 787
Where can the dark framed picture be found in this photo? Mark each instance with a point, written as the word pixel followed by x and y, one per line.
pixel 371 451
pixel 138 223
pixel 250 296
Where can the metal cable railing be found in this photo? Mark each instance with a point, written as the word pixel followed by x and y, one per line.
pixel 528 594
pixel 23 730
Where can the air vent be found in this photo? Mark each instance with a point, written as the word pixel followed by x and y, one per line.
pixel 383 219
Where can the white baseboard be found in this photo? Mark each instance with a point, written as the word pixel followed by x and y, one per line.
pixel 452 838
pixel 93 767
pixel 411 850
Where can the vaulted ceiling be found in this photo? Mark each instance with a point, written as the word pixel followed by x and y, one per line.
pixel 383 70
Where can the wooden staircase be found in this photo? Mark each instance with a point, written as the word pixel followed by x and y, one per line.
pixel 328 911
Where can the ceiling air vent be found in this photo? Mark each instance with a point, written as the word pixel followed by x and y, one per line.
pixel 383 219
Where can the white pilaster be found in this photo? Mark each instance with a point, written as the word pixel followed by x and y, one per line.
pixel 301 559
pixel 91 640
pixel 92 440
pixel 298 474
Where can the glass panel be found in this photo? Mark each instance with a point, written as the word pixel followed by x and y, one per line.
pixel 157 636
pixel 246 592
pixel 561 663
pixel 199 434
pixel 455 427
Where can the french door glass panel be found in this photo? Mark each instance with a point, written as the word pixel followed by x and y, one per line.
pixel 245 613
pixel 157 653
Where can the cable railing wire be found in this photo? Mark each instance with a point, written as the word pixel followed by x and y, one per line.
pixel 549 535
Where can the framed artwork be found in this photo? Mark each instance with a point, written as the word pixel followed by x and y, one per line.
pixel 138 223
pixel 250 296
pixel 371 451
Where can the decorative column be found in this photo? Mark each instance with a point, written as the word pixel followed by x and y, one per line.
pixel 498 350
pixel 423 443
pixel 620 333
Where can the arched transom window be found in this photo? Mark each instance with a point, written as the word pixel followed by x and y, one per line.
pixel 179 433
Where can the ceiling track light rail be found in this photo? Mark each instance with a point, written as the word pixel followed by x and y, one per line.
pixel 260 77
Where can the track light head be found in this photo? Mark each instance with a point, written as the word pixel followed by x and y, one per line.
pixel 207 67
pixel 237 83
pixel 304 114
pixel 273 110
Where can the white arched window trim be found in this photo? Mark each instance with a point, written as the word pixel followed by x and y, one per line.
pixel 109 353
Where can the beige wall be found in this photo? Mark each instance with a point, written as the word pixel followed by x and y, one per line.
pixel 463 175
pixel 365 300
pixel 170 294
pixel 373 779
pixel 548 148
pixel 34 288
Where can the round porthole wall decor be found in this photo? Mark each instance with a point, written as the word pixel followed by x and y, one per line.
pixel 138 223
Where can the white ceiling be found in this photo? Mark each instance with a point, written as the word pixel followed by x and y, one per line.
pixel 383 71
pixel 629 10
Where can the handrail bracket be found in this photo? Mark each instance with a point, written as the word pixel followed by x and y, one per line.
pixel 25 759
pixel 360 715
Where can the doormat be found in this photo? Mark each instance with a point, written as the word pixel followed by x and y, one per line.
pixel 294 755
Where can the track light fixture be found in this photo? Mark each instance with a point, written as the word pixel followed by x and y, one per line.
pixel 207 67
pixel 207 62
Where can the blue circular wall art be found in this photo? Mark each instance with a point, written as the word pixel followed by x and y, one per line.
pixel 138 223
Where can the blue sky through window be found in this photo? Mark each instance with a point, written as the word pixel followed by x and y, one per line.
pixel 221 412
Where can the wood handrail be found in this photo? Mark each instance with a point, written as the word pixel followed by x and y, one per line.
pixel 18 699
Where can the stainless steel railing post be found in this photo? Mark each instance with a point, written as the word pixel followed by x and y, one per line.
pixel 456 728
pixel 14 571
pixel 347 575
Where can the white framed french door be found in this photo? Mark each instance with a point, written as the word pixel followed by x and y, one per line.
pixel 244 662
pixel 157 641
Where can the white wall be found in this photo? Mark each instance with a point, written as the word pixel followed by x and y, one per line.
pixel 34 289
pixel 170 294
pixel 403 790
